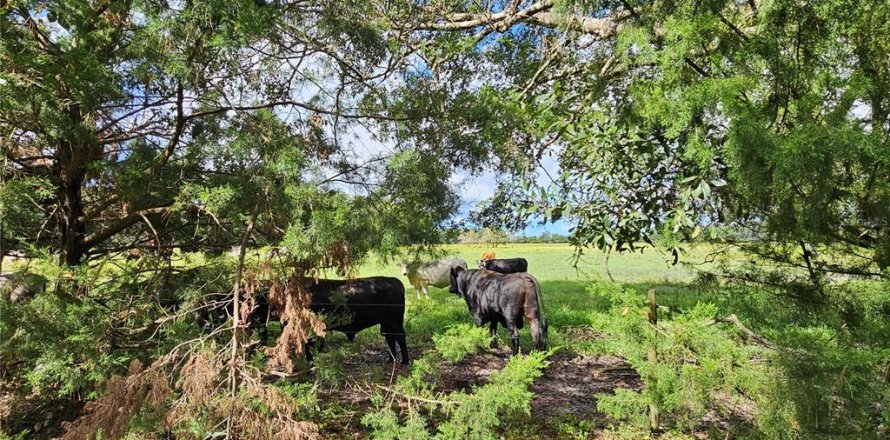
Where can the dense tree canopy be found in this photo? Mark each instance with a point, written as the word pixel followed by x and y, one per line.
pixel 667 116
pixel 138 124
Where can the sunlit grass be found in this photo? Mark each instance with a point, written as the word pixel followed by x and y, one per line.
pixel 564 282
pixel 567 301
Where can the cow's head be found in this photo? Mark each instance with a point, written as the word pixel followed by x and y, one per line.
pixel 453 286
pixel 404 268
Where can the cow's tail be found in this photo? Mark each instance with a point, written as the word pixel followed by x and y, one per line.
pixel 541 340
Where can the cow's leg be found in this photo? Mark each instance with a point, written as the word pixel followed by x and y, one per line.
pixel 514 336
pixel 537 337
pixel 478 319
pixel 395 334
pixel 493 331
pixel 307 350
pixel 391 343
pixel 403 347
pixel 426 291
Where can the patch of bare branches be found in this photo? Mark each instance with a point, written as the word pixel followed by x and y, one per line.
pixel 298 323
pixel 125 396
pixel 289 295
pixel 257 411
pixel 190 383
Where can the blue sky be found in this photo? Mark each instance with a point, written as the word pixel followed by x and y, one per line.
pixel 475 189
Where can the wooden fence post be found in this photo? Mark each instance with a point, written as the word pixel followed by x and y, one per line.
pixel 653 356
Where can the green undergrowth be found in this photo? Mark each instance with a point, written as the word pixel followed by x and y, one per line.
pixel 460 415
pixel 816 371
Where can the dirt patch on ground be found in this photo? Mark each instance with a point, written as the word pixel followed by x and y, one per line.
pixel 568 387
pixel 571 382
pixel 472 371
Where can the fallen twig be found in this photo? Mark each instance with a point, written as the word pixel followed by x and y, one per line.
pixel 734 320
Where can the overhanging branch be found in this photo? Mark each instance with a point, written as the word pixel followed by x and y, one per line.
pixel 537 13
pixel 121 224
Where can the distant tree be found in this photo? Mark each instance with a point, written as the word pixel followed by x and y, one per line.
pixel 468 237
pixel 546 237
pixel 492 236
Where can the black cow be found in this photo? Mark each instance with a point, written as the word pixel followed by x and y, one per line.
pixel 505 265
pixel 349 306
pixel 354 305
pixel 495 298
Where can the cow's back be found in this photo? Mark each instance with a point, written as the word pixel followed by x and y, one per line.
pixel 506 299
pixel 360 303
pixel 507 265
pixel 497 292
pixel 438 273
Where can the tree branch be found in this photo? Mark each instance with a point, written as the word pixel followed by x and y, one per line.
pixel 121 224
pixel 300 105
pixel 734 320
pixel 177 132
pixel 536 13
pixel 98 209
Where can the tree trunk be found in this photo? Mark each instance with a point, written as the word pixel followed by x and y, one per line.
pixel 69 176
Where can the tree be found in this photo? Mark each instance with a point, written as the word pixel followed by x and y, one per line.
pixel 201 125
pixel 491 236
pixel 133 124
pixel 668 116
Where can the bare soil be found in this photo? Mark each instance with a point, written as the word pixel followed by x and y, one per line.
pixel 567 389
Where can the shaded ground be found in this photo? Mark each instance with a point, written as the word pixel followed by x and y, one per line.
pixel 567 389
pixel 571 382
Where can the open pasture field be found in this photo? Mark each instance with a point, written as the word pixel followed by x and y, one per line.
pixel 564 405
pixel 565 287
pixel 724 380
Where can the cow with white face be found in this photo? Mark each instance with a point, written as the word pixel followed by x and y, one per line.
pixel 433 273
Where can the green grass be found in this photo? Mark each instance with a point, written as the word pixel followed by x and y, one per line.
pixel 554 262
pixel 575 313
pixel 567 301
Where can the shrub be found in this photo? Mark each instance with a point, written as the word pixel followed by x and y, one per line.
pixel 701 366
pixel 475 415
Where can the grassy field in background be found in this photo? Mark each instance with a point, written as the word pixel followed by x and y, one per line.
pixel 555 262
pixel 565 287
pixel 570 305
pixel 567 301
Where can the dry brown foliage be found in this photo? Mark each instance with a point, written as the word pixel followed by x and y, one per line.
pixel 199 382
pixel 289 296
pixel 125 396
pixel 298 323
pixel 254 410
pixel 274 423
pixel 203 394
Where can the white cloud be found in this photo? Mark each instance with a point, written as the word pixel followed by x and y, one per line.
pixel 474 189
